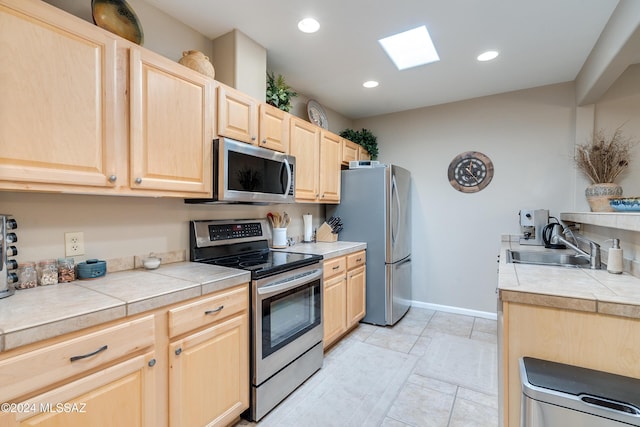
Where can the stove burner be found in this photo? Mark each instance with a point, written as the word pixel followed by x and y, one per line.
pixel 247 264
pixel 262 256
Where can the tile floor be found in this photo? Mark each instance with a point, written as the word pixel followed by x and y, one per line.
pixel 430 369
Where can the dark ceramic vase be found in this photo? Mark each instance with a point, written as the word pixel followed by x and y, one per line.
pixel 119 18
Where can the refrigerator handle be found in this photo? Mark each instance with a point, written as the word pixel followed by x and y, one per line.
pixel 396 225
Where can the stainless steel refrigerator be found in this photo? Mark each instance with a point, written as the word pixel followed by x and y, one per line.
pixel 375 207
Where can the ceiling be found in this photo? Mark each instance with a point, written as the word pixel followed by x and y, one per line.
pixel 540 42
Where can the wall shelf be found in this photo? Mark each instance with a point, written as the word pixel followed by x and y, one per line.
pixel 618 220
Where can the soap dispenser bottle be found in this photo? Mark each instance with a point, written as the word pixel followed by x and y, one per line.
pixel 614 261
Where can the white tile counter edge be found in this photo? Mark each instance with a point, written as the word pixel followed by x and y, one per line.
pixel 32 315
pixel 617 294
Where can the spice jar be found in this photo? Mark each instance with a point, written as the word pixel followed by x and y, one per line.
pixel 47 272
pixel 27 277
pixel 66 270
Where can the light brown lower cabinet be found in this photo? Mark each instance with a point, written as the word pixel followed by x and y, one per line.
pixel 344 295
pixel 587 339
pixel 107 373
pixel 335 308
pixel 121 395
pixel 209 377
pixel 182 365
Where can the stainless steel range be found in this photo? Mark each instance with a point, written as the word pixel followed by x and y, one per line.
pixel 286 305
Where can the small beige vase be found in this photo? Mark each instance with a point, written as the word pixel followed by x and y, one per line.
pixel 196 60
pixel 598 196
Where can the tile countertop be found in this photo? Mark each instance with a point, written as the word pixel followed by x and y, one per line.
pixel 36 314
pixel 328 250
pixel 570 288
pixel 32 315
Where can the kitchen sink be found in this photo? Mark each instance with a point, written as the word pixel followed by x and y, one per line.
pixel 564 259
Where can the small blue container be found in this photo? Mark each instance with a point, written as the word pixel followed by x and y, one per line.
pixel 92 268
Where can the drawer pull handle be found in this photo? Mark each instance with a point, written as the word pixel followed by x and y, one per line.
pixel 215 310
pixel 359 259
pixel 336 267
pixel 84 356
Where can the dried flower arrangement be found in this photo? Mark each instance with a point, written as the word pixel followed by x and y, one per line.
pixel 604 157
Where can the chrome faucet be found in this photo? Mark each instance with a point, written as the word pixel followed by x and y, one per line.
pixel 595 262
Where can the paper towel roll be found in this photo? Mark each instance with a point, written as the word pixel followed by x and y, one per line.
pixel 308 227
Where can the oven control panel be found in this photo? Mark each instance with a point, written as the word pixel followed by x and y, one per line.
pixel 234 231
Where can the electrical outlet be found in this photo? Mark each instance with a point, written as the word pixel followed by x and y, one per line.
pixel 74 243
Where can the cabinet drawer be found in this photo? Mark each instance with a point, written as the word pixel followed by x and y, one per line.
pixel 356 260
pixel 30 371
pixel 334 267
pixel 208 310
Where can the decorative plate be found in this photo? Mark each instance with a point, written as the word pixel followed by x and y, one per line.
pixel 119 18
pixel 627 204
pixel 316 113
pixel 470 172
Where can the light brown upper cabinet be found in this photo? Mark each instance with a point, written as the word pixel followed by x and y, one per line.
pixel 318 156
pixel 237 115
pixel 363 154
pixel 67 124
pixel 172 126
pixel 330 159
pixel 304 145
pixel 350 151
pixel 274 128
pixel 59 101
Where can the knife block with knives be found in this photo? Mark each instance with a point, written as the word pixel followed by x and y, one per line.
pixel 328 231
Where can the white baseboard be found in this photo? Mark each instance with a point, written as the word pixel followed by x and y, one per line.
pixel 455 310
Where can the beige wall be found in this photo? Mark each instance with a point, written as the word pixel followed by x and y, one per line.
pixel 337 122
pixel 162 33
pixel 529 137
pixel 619 106
pixel 122 226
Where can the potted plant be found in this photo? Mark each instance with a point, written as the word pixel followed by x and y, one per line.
pixel 279 94
pixel 364 138
pixel 602 159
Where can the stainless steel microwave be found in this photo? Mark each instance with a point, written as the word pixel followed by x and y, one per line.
pixel 244 173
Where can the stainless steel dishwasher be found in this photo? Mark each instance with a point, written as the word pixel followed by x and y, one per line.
pixel 557 395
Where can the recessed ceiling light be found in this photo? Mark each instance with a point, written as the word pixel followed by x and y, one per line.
pixel 308 25
pixel 369 84
pixel 488 55
pixel 410 48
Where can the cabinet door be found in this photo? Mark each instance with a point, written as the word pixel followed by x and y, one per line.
pixel 209 375
pixel 58 103
pixel 274 128
pixel 356 295
pixel 363 154
pixel 330 160
pixel 304 146
pixel 171 126
pixel 121 395
pixel 334 309
pixel 350 151
pixel 237 115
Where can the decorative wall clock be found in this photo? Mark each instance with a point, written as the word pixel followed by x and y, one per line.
pixel 470 172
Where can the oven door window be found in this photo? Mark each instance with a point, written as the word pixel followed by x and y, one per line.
pixel 289 315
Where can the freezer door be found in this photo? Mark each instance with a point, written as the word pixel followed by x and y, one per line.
pixel 399 214
pixel 398 290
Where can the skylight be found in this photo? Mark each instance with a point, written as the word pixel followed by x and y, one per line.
pixel 410 48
